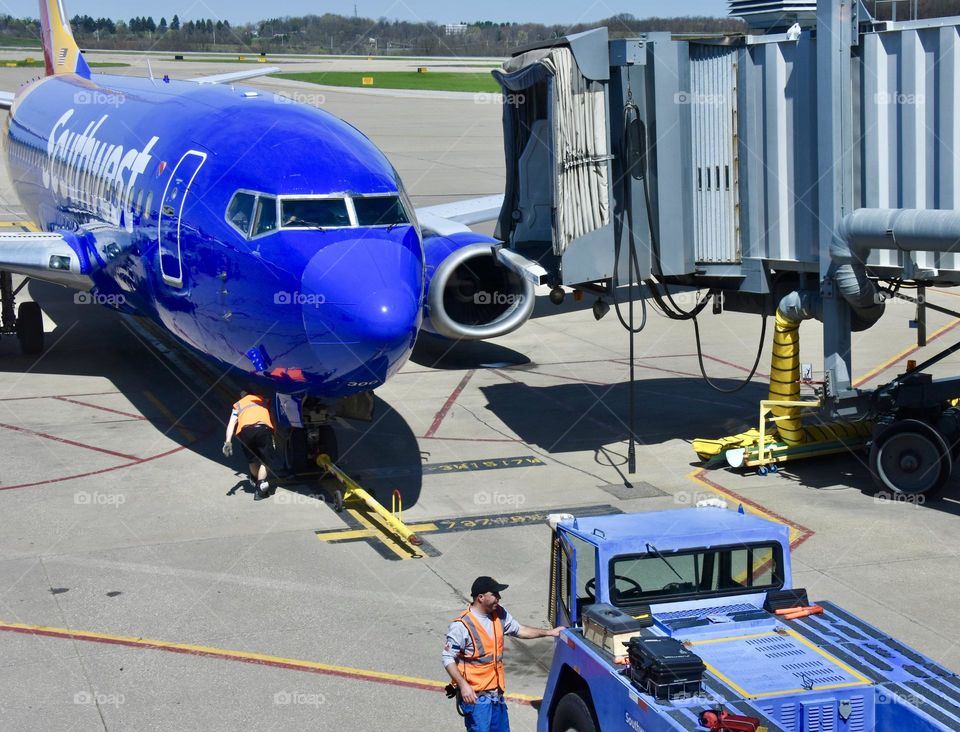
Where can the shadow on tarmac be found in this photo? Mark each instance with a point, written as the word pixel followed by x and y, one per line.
pixel 577 416
pixel 94 341
pixel 440 353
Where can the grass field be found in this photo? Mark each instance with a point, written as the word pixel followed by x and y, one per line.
pixel 37 63
pixel 281 58
pixel 432 80
pixel 20 42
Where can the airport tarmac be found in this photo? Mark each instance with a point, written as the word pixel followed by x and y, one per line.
pixel 138 591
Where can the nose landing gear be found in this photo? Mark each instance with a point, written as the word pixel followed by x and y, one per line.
pixel 27 324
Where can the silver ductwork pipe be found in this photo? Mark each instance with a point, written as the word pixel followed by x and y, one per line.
pixel 907 229
pixel 903 229
pixel 801 305
pixel 849 256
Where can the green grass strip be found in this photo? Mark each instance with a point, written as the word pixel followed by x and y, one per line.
pixel 431 80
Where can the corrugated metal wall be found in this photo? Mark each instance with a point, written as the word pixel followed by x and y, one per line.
pixel 910 127
pixel 778 151
pixel 906 107
pixel 713 113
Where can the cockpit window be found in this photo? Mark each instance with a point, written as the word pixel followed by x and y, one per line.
pixel 380 211
pixel 266 219
pixel 240 211
pixel 313 213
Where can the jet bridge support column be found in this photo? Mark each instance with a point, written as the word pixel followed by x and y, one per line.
pixel 836 29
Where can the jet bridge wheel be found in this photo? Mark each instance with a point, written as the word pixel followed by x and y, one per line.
pixel 30 328
pixel 573 715
pixel 910 458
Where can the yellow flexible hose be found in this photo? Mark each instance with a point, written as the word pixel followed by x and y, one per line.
pixel 785 378
pixel 785 386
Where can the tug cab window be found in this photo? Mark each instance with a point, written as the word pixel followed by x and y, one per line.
pixel 313 213
pixel 586 584
pixel 380 211
pixel 240 211
pixel 660 575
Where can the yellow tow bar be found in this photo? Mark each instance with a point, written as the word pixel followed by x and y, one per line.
pixel 353 492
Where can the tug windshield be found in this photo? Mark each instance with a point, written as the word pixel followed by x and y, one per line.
pixel 660 575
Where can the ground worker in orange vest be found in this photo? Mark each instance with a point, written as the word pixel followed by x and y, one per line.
pixel 473 656
pixel 254 428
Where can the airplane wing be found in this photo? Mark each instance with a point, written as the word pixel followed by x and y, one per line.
pixel 6 100
pixel 233 76
pixel 43 256
pixel 449 218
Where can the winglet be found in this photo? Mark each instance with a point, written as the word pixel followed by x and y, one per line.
pixel 61 54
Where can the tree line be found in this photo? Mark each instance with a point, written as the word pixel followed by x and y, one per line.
pixel 353 35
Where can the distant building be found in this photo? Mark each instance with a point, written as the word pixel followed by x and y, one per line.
pixel 455 29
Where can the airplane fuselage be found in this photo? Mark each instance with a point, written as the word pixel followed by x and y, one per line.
pixel 269 236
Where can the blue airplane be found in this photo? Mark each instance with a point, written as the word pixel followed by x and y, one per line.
pixel 269 237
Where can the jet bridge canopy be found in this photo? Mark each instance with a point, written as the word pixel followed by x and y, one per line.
pixel 710 147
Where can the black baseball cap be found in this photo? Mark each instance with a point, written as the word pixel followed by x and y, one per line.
pixel 486 584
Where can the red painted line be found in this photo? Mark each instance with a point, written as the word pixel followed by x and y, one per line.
pixel 804 532
pixel 568 363
pixel 210 653
pixel 57 396
pixel 626 362
pixel 737 366
pixel 438 418
pixel 135 462
pixel 102 409
pixel 65 441
pixel 567 407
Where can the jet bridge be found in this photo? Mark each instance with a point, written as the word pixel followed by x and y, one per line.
pixel 803 169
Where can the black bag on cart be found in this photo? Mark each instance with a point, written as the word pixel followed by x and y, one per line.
pixel 664 668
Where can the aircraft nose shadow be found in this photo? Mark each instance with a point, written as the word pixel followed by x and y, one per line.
pixel 442 353
pixel 383 456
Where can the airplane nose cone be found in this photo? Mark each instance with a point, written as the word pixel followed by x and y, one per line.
pixel 364 294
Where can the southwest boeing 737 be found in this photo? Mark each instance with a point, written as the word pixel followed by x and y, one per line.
pixel 269 237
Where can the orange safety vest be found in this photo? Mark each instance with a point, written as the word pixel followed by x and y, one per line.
pixel 250 410
pixel 484 669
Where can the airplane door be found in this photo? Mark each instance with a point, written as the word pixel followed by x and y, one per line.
pixel 169 223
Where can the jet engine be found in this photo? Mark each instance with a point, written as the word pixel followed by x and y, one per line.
pixel 471 293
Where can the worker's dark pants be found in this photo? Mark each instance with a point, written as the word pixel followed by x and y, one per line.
pixel 257 443
pixel 487 715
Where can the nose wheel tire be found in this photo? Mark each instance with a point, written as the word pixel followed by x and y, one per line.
pixel 30 328
pixel 910 458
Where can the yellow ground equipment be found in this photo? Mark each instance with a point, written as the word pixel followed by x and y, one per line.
pixel 787 438
pixel 354 496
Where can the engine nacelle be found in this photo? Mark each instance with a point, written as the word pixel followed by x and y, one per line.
pixel 471 295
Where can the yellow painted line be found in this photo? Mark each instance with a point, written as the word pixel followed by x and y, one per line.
pixel 729 682
pixel 368 533
pixel 23 225
pixel 243 656
pixel 903 354
pixel 755 510
pixel 861 679
pixel 384 535
pixel 836 661
pixel 764 634
pixel 187 434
